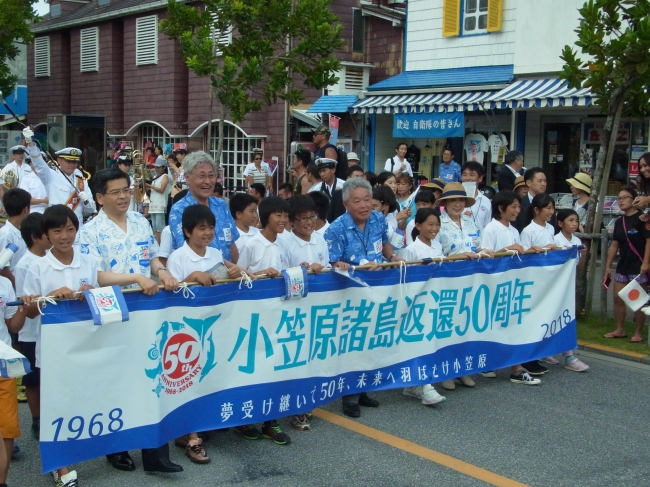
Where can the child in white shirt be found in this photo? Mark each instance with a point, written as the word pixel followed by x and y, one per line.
pixel 16 202
pixel 165 247
pixel 425 245
pixel 539 233
pixel 322 208
pixel 424 199
pixel 61 273
pixel 481 210
pixel 569 222
pixel 243 208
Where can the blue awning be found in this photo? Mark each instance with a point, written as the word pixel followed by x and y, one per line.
pixel 423 103
pixel 540 93
pixel 333 104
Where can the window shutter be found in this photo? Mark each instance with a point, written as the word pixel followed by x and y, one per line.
pixel 224 38
pixel 358 31
pixel 89 49
pixel 450 18
pixel 495 15
pixel 353 78
pixel 42 56
pixel 146 40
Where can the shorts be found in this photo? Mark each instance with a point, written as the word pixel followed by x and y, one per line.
pixel 625 279
pixel 9 409
pixel 157 221
pixel 33 379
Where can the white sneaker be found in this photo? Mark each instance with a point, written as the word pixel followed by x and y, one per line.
pixel 68 480
pixel 575 364
pixel 430 396
pixel 523 377
pixel 415 391
pixel 490 374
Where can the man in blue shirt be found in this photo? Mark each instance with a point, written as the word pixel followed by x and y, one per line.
pixel 358 237
pixel 449 169
pixel 201 174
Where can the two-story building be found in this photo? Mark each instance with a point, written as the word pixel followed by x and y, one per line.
pixel 492 66
pixel 108 57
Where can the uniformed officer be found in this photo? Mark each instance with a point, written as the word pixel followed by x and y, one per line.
pixel 65 185
pixel 19 174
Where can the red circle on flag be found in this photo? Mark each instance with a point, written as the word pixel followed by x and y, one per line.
pixel 634 294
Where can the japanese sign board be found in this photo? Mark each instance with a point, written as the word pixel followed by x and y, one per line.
pixel 428 125
pixel 213 360
pixel 592 133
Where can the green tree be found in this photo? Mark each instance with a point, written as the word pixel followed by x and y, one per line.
pixel 272 40
pixel 15 19
pixel 614 37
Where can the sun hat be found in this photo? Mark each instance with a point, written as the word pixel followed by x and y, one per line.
pixel 352 156
pixel 452 191
pixel 436 183
pixel 581 181
pixel 160 162
pixel 519 181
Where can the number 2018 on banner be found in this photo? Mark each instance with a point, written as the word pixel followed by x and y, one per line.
pixel 76 425
pixel 556 325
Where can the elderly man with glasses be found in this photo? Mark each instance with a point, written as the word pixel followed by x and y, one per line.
pixel 201 175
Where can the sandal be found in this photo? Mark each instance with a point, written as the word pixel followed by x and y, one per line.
pixel 636 339
pixel 613 334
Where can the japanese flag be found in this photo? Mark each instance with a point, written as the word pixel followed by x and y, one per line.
pixel 634 296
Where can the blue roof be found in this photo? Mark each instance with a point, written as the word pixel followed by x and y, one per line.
pixel 333 104
pixel 437 78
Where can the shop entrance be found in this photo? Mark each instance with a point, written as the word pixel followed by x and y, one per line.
pixel 561 155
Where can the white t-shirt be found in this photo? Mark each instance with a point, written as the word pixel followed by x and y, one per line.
pixel 48 274
pixel 394 163
pixel 321 232
pixel 165 249
pixel 315 187
pixel 481 211
pixel 475 147
pixel 36 189
pixel 183 261
pixel 29 331
pixel 538 235
pixel 496 142
pixel 496 236
pixel 419 250
pixel 562 242
pixel 158 201
pixel 10 234
pixel 244 237
pixel 259 254
pixel 251 169
pixel 298 250
pixel 7 295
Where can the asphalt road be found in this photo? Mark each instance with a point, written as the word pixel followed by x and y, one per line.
pixel 574 430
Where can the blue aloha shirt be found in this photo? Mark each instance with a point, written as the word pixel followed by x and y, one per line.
pixel 347 243
pixel 451 173
pixel 225 233
pixel 456 240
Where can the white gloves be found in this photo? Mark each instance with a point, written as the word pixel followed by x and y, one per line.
pixel 28 134
pixel 84 197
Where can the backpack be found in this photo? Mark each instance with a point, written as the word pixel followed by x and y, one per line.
pixel 342 166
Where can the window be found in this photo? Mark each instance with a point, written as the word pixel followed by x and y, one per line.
pixel 146 40
pixel 237 152
pixel 358 31
pixel 220 37
pixel 475 17
pixel 152 135
pixel 471 17
pixel 89 49
pixel 42 56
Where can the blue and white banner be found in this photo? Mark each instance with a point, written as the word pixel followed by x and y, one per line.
pixel 428 125
pixel 231 356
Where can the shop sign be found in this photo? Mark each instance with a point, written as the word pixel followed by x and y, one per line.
pixel 592 133
pixel 428 125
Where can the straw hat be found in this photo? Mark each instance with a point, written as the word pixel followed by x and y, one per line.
pixel 452 191
pixel 519 181
pixel 581 181
pixel 437 183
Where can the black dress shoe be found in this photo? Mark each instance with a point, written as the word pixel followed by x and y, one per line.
pixel 367 401
pixel 162 465
pixel 121 461
pixel 352 410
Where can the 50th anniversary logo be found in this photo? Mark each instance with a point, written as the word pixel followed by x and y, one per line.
pixel 183 352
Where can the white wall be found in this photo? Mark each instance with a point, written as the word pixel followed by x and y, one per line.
pixel 544 27
pixel 426 48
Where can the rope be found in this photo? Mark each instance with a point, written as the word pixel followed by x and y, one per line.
pixel 481 254
pixel 545 250
pixel 246 281
pixel 44 300
pixel 402 278
pixel 184 288
pixel 514 253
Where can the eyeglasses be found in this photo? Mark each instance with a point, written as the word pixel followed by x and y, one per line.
pixel 204 177
pixel 305 219
pixel 119 192
pixel 621 198
pixel 257 159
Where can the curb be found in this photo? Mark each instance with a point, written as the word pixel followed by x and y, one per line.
pixel 614 352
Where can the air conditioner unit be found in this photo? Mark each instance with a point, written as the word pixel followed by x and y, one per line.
pixel 85 132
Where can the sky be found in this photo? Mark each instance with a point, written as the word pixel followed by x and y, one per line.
pixel 42 7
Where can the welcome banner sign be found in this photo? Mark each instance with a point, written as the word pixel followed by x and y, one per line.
pixel 228 355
